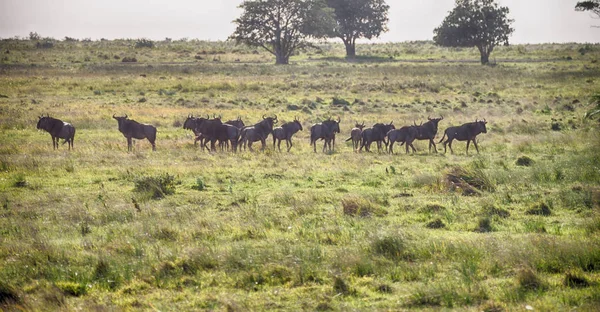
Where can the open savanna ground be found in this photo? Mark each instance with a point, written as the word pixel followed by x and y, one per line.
pixel 100 228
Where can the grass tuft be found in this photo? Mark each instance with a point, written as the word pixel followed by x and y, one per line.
pixel 524 161
pixel 72 288
pixel 540 209
pixel 527 279
pixel 575 280
pixel 358 206
pixel 157 186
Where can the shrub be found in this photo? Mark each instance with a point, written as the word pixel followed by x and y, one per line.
pixel 71 288
pixel 524 161
pixel 391 247
pixel 200 185
pixel 540 209
pixel 339 102
pixel 528 280
pixel 357 206
pixel 484 225
pixel 157 186
pixel 340 286
pixel 8 294
pixel 144 43
pixel 436 224
pixel 44 45
pixel 128 59
pixel 575 280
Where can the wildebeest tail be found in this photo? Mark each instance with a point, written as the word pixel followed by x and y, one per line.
pixel 348 139
pixel 442 137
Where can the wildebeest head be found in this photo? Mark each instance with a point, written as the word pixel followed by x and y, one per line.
pixel 44 122
pixel 360 126
pixel 332 125
pixel 481 125
pixel 190 123
pixel 267 123
pixel 297 122
pixel 120 120
pixel 238 123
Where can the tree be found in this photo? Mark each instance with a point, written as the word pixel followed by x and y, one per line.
pixel 593 5
pixel 479 23
pixel 282 26
pixel 358 19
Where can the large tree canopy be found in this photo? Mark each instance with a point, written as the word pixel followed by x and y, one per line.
pixel 479 23
pixel 593 5
pixel 358 19
pixel 282 26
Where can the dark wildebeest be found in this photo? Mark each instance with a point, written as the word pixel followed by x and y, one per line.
pixel 428 130
pixel 238 123
pixel 258 132
pixel 406 135
pixel 214 130
pixel 132 129
pixel 285 132
pixel 356 135
pixel 58 129
pixel 192 123
pixel 467 132
pixel 377 133
pixel 326 131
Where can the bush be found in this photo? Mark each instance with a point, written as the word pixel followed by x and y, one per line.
pixel 8 294
pixel 540 209
pixel 357 206
pixel 44 45
pixel 157 186
pixel 144 43
pixel 575 280
pixel 128 59
pixel 71 288
pixel 524 161
pixel 339 102
pixel 436 224
pixel 391 247
pixel 528 280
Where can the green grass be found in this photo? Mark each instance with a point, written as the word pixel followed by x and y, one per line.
pixel 183 229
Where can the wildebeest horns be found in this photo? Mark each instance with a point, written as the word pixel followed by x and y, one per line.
pixel 47 115
pixel 484 121
pixel 414 122
pixel 116 116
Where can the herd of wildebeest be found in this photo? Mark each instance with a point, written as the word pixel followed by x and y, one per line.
pixel 234 134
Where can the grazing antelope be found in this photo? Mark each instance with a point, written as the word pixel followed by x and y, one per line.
pixel 58 129
pixel 467 132
pixel 285 132
pixel 132 129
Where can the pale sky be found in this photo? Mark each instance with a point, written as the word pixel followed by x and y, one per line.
pixel 211 19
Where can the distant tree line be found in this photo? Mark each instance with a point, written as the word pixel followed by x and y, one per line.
pixel 283 26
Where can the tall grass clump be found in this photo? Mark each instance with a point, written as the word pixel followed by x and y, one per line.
pixel 359 206
pixel 157 186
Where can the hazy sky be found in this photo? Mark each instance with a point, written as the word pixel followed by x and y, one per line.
pixel 211 19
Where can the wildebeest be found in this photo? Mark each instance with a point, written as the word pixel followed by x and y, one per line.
pixel 406 135
pixel 58 129
pixel 238 123
pixel 192 123
pixel 377 134
pixel 132 129
pixel 467 132
pixel 356 135
pixel 326 131
pixel 258 132
pixel 428 130
pixel 285 132
pixel 214 130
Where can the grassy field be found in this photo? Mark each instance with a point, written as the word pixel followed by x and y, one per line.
pixel 88 229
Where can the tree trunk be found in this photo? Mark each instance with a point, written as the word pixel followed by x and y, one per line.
pixel 281 59
pixel 485 52
pixel 350 50
pixel 350 47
